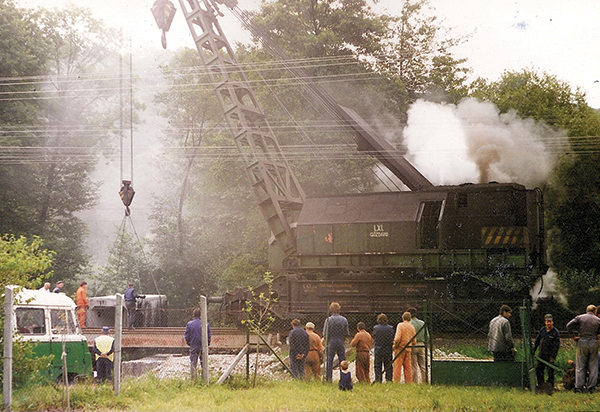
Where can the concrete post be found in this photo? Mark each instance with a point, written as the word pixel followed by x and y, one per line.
pixel 8 346
pixel 118 339
pixel 204 321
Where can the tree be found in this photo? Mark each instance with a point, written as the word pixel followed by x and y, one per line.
pixel 202 222
pixel 415 53
pixel 573 192
pixel 127 262
pixel 258 311
pixel 23 262
pixel 44 189
pixel 319 28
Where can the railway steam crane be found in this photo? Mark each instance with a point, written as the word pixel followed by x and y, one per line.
pixel 373 252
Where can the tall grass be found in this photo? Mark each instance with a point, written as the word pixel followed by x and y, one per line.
pixel 151 394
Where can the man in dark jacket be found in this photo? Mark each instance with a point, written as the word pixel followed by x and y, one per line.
pixel 335 331
pixel 299 346
pixel 131 297
pixel 383 337
pixel 588 327
pixel 500 341
pixel 548 340
pixel 193 337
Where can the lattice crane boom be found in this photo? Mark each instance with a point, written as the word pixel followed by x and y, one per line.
pixel 275 186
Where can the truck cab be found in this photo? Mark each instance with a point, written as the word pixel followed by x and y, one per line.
pixel 48 320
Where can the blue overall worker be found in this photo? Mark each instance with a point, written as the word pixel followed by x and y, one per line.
pixel 131 297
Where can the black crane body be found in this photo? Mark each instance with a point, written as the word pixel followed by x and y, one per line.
pixel 374 252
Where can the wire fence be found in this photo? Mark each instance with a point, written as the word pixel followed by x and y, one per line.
pixel 377 349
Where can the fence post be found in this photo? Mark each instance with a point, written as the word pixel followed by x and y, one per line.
pixel 204 322
pixel 118 340
pixel 8 346
pixel 526 334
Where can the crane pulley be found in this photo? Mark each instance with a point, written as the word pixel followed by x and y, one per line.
pixel 126 193
pixel 163 12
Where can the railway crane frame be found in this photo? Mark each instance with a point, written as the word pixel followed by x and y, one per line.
pixel 372 252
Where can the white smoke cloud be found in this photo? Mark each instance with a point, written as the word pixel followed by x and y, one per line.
pixel 474 142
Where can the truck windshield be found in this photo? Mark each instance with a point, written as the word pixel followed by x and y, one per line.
pixel 62 321
pixel 30 321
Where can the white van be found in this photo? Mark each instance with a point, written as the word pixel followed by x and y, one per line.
pixel 48 319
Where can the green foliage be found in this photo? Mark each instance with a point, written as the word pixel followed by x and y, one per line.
pixel 126 263
pixel 205 234
pixel 258 311
pixel 26 364
pixel 23 263
pixel 42 193
pixel 258 307
pixel 417 51
pixel 318 28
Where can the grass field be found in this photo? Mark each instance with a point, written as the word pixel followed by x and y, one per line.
pixel 151 394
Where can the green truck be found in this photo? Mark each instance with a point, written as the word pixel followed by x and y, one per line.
pixel 48 320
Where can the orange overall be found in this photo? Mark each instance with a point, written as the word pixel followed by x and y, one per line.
pixel 363 342
pixel 312 366
pixel 82 304
pixel 405 333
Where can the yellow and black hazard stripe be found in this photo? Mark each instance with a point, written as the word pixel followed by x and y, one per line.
pixel 504 236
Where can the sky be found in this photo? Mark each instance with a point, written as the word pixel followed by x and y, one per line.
pixel 560 37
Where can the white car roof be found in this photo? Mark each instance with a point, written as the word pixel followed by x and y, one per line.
pixel 28 297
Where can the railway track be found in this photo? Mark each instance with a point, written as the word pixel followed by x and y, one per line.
pixel 172 338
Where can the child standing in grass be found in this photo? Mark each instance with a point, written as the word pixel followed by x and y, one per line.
pixel 345 383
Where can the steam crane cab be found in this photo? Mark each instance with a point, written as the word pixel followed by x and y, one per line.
pixel 474 227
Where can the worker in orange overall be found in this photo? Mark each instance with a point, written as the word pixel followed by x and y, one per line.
pixel 404 338
pixel 312 366
pixel 82 303
pixel 363 342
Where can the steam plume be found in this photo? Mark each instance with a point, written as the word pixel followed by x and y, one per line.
pixel 473 142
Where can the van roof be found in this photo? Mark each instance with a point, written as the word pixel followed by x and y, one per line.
pixel 28 297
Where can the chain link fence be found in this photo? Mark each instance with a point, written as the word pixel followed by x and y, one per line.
pixel 450 331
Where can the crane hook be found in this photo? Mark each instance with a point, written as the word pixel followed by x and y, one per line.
pixel 163 12
pixel 126 193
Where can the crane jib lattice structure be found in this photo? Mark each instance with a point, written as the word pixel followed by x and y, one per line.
pixel 275 186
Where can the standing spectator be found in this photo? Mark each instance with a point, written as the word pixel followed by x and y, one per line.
pixel 335 331
pixel 362 342
pixel 500 341
pixel 403 340
pixel 299 346
pixel 345 383
pixel 193 338
pixel 59 287
pixel 383 336
pixel 312 368
pixel 82 303
pixel 46 287
pixel 131 297
pixel 588 326
pixel 419 373
pixel 104 351
pixel 548 340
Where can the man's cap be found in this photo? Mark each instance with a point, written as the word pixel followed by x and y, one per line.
pixel 548 317
pixel 105 329
pixel 310 325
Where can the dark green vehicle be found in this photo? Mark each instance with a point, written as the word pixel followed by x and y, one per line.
pixel 48 320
